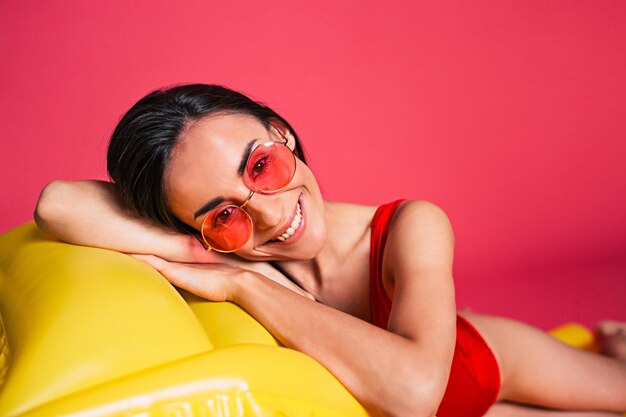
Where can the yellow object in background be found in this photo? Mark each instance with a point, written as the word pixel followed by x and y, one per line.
pixel 91 332
pixel 575 335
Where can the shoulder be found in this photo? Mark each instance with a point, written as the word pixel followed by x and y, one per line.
pixel 420 233
pixel 422 213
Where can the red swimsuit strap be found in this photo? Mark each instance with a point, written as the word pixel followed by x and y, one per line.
pixel 380 304
pixel 474 375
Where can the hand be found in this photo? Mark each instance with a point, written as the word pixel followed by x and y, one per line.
pixel 215 281
pixel 200 255
pixel 267 270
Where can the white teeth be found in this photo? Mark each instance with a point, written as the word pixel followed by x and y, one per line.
pixel 293 227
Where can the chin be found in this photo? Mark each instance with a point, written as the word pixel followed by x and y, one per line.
pixel 314 244
pixel 307 248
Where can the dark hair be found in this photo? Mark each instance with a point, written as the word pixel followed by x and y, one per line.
pixel 143 140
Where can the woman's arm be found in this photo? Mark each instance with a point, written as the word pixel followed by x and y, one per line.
pixel 90 213
pixel 402 372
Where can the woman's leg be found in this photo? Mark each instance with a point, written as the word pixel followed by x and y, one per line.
pixel 515 410
pixel 540 370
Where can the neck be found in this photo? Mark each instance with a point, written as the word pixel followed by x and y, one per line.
pixel 345 228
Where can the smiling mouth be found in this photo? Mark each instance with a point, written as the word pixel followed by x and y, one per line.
pixel 293 227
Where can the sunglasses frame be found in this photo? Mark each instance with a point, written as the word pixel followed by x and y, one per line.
pixel 202 239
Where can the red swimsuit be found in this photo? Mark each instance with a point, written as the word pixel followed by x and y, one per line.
pixel 474 377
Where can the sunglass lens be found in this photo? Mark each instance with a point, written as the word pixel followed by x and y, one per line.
pixel 227 228
pixel 271 166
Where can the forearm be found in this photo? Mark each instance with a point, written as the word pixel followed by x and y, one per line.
pixel 385 371
pixel 90 213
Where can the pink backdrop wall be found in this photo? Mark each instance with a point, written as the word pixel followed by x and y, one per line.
pixel 508 114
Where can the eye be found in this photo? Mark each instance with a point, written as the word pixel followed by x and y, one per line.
pixel 222 217
pixel 261 166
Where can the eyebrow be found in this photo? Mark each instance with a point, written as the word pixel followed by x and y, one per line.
pixel 245 156
pixel 208 207
pixel 219 200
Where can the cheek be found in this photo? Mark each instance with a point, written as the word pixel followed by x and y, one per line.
pixel 304 176
pixel 315 206
pixel 317 232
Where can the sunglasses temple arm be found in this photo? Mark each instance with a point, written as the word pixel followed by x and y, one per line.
pixel 280 133
pixel 204 245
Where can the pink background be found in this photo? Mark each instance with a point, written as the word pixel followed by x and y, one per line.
pixel 508 114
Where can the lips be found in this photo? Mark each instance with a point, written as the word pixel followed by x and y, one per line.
pixel 293 227
pixel 295 224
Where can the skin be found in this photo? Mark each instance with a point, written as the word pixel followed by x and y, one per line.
pixel 329 264
pixel 318 258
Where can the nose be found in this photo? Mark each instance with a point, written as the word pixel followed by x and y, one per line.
pixel 266 210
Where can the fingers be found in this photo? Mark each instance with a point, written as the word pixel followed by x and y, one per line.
pixel 173 272
pixel 193 277
pixel 206 281
pixel 154 261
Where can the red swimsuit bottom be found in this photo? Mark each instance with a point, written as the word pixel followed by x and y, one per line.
pixel 474 377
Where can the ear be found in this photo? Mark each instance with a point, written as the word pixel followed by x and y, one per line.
pixel 282 130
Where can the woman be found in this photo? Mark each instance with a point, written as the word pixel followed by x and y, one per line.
pixel 210 185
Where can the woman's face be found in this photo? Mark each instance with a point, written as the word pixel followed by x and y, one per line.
pixel 204 166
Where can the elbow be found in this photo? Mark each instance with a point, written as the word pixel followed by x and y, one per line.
pixel 50 204
pixel 420 394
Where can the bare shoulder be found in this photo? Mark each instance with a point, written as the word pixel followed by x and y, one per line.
pixel 420 234
pixel 420 212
